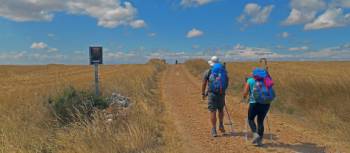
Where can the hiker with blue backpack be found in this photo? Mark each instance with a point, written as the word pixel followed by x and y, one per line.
pixel 259 87
pixel 216 79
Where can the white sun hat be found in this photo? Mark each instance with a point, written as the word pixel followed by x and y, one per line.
pixel 215 59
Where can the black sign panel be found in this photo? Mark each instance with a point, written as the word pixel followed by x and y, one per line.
pixel 96 55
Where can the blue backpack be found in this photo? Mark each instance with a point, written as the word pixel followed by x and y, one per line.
pixel 218 80
pixel 263 91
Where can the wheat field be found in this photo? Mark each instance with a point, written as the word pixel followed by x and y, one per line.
pixel 316 93
pixel 27 124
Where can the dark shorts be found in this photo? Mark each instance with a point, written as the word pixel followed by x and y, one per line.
pixel 216 102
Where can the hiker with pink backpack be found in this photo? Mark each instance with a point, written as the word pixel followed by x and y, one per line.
pixel 259 91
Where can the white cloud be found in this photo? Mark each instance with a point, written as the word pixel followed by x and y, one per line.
pixel 109 13
pixel 78 52
pixel 339 52
pixel 296 16
pixel 329 19
pixel 195 46
pixel 284 35
pixel 194 33
pixel 239 46
pixel 254 13
pixel 167 54
pixel 193 3
pixel 152 34
pixel 138 24
pixel 241 53
pixel 238 52
pixel 118 55
pixel 51 35
pixel 341 3
pixel 39 45
pixel 304 11
pixel 302 48
pixel 30 10
pixel 11 56
pixel 249 52
pixel 24 57
pixel 51 50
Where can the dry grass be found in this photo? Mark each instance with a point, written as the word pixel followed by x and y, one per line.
pixel 317 92
pixel 28 126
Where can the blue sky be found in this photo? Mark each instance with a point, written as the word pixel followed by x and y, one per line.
pixel 132 31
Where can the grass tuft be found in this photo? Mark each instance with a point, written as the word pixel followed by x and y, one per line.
pixel 73 106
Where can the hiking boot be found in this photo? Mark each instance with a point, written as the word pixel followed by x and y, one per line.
pixel 222 128
pixel 213 132
pixel 256 137
pixel 259 142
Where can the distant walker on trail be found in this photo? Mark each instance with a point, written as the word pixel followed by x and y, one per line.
pixel 216 79
pixel 261 94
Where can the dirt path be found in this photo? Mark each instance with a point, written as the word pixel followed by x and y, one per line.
pixel 181 95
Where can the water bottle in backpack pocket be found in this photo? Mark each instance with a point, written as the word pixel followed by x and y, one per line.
pixel 218 80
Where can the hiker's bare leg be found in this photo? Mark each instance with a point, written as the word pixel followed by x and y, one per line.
pixel 221 120
pixel 221 117
pixel 213 119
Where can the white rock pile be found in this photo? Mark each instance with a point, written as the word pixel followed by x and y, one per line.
pixel 119 100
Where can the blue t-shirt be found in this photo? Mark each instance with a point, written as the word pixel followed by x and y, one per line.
pixel 251 83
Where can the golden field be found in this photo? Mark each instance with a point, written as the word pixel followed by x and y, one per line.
pixel 27 124
pixel 316 93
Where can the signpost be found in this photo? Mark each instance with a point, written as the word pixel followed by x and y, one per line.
pixel 96 59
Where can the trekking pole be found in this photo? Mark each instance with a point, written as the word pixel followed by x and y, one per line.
pixel 268 127
pixel 245 125
pixel 245 101
pixel 267 116
pixel 229 118
pixel 246 130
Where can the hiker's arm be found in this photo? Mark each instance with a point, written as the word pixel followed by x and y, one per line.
pixel 204 83
pixel 204 86
pixel 246 90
